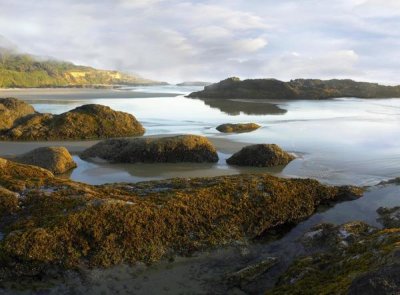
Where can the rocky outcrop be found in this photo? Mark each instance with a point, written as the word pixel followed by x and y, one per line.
pixel 84 122
pixel 295 89
pixel 61 223
pixel 11 110
pixel 238 128
pixel 352 258
pixel 261 155
pixel 55 159
pixel 182 148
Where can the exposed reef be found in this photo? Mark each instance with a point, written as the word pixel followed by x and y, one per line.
pixel 52 223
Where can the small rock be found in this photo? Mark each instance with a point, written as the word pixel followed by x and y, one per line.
pixel 55 159
pixel 244 127
pixel 261 155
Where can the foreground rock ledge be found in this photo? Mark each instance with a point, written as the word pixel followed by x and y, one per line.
pixel 182 148
pixel 85 122
pixel 54 222
pixel 56 159
pixel 241 127
pixel 352 258
pixel 260 155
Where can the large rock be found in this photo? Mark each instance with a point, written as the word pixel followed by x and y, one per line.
pixel 260 155
pixel 241 127
pixel 55 159
pixel 182 148
pixel 85 122
pixel 12 109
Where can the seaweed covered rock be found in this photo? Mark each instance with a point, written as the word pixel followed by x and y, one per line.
pixel 352 258
pixel 241 127
pixel 12 109
pixel 260 155
pixel 56 159
pixel 85 122
pixel 383 281
pixel 182 148
pixel 64 223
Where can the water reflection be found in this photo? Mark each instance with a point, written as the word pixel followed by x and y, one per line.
pixel 235 107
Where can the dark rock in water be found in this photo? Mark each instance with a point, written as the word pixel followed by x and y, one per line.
pixel 383 281
pixel 85 122
pixel 55 159
pixel 241 127
pixel 261 155
pixel 12 109
pixel 182 148
pixel 295 89
pixel 251 272
pixel 389 217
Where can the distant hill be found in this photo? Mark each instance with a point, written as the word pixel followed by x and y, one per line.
pixel 24 70
pixel 194 83
pixel 295 89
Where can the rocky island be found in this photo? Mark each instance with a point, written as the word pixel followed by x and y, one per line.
pixel 295 89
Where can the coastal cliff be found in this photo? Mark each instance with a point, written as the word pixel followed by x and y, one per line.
pixel 295 89
pixel 27 71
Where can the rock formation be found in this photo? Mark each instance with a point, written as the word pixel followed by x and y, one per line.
pixel 260 155
pixel 85 122
pixel 55 159
pixel 241 127
pixel 182 148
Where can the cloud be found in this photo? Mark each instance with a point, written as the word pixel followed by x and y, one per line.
pixel 186 40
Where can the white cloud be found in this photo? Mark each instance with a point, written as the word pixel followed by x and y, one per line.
pixel 186 39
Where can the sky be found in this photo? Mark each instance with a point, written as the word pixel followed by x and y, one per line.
pixel 186 40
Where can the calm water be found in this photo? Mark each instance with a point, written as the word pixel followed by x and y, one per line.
pixel 341 141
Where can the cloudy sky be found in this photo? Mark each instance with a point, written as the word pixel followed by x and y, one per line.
pixel 181 40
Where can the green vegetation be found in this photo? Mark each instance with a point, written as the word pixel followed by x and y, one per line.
pixel 63 223
pixel 23 71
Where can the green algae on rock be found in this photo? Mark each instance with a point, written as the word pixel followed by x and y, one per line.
pixel 56 159
pixel 85 122
pixel 346 259
pixel 260 155
pixel 241 127
pixel 182 148
pixel 11 110
pixel 62 223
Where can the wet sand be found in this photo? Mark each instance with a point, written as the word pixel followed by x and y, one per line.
pixel 52 94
